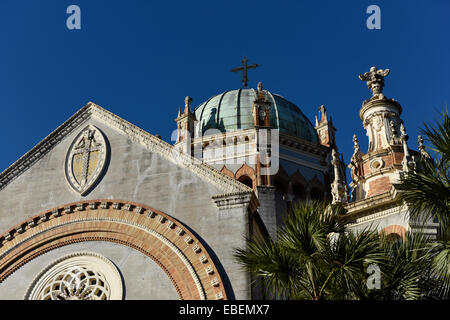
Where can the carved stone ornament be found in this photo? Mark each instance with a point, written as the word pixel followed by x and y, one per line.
pixel 375 80
pixel 376 164
pixel 86 159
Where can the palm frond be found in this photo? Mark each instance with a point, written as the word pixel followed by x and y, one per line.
pixel 406 264
pixel 304 262
pixel 427 190
pixel 275 266
pixel 349 257
pixel 441 269
pixel 439 135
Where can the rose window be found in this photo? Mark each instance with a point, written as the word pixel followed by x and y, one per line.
pixel 80 276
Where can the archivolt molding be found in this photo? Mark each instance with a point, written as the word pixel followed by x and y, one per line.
pixel 159 236
pixel 163 239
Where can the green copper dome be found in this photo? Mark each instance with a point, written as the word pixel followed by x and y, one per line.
pixel 232 111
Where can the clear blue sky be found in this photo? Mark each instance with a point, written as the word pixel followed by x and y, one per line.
pixel 139 59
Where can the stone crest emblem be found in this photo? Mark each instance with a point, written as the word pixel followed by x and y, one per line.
pixel 86 159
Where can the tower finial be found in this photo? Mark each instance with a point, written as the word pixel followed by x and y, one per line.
pixel 323 113
pixel 338 186
pixel 403 132
pixel 393 131
pixel 375 80
pixel 355 144
pixel 408 162
pixel 422 148
pixel 187 104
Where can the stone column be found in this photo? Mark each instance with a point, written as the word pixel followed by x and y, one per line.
pixel 234 227
pixel 267 208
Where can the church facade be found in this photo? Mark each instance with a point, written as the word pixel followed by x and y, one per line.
pixel 101 209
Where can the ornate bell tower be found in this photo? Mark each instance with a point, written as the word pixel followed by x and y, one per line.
pixel 375 201
pixel 380 116
pixel 388 155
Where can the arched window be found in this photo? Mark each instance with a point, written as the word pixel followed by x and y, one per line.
pixel 246 180
pixel 393 237
pixel 281 184
pixel 316 194
pixel 298 192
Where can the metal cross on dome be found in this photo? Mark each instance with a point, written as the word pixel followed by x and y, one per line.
pixel 244 70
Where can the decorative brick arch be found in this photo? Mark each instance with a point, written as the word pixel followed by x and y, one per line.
pixel 316 184
pixel 297 178
pixel 227 172
pixel 246 171
pixel 281 180
pixel 395 228
pixel 162 238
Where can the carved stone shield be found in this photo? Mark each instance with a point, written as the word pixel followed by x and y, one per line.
pixel 86 159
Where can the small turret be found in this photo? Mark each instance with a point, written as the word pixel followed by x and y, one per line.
pixel 325 129
pixel 261 108
pixel 185 125
pixel 339 189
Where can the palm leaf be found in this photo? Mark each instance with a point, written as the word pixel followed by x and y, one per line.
pixel 427 190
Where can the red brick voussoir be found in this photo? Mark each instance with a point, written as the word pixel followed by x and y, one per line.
pixel 159 236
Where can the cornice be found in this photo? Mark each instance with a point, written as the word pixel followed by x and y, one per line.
pixel 362 207
pixel 380 212
pixel 303 145
pixel 304 163
pixel 152 143
pixel 238 199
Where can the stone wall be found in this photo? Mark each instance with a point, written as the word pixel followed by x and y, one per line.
pixel 134 174
pixel 142 278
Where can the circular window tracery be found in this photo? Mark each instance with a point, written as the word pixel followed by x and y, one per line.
pixel 78 276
